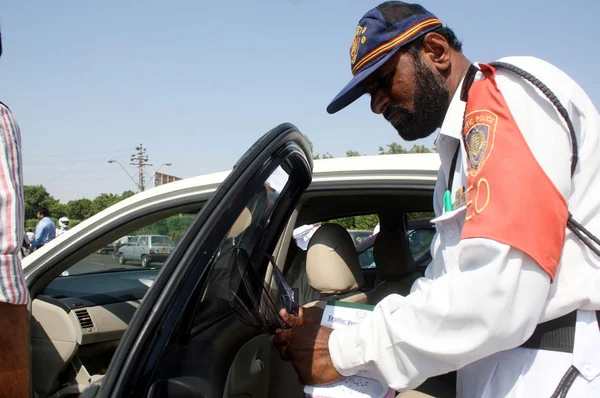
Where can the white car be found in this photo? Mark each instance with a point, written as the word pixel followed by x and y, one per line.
pixel 102 329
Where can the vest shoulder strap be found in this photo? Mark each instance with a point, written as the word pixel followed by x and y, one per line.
pixel 557 334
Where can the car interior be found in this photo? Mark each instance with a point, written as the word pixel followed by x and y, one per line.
pixel 78 320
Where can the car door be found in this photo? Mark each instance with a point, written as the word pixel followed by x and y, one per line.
pixel 209 298
pixel 129 248
pixel 141 248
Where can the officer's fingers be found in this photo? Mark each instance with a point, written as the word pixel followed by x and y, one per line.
pixel 284 314
pixel 281 341
pixel 282 338
pixel 283 353
pixel 289 319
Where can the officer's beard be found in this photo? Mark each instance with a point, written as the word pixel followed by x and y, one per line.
pixel 431 101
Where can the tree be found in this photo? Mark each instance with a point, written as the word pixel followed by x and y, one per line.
pixel 350 153
pixel 420 215
pixel 127 194
pixel 326 155
pixel 58 210
pixel 392 149
pixel 104 201
pixel 79 209
pixel 395 148
pixel 36 196
pixel 310 145
pixel 419 149
pixel 367 222
pixel 158 228
pixel 180 223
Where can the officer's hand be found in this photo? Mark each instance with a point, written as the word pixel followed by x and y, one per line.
pixel 306 316
pixel 307 347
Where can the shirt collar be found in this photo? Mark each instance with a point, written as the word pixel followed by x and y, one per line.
pixel 452 125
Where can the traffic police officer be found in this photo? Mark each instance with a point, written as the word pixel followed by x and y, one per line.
pixel 509 299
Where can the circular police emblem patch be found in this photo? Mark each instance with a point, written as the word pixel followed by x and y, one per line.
pixel 477 140
pixel 480 128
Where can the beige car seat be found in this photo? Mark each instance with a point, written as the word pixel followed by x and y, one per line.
pixel 396 271
pixel 332 267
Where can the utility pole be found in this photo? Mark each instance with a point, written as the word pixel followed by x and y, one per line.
pixel 140 159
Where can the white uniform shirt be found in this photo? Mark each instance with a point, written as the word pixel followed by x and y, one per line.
pixel 480 297
pixel 303 234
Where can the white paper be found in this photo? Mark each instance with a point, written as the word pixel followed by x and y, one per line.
pixel 339 315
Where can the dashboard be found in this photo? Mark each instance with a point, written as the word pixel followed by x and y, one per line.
pixel 77 324
pixel 101 305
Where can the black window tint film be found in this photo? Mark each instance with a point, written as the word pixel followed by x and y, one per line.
pixel 234 277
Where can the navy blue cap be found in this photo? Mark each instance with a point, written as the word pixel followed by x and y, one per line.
pixel 379 35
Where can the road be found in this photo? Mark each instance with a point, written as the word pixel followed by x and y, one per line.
pixel 100 262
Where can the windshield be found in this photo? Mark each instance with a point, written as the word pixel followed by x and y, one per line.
pixel 161 241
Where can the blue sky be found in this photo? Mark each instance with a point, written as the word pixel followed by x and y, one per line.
pixel 197 82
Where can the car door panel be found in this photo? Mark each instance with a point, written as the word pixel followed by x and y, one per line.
pixel 218 345
pixel 139 249
pixel 258 372
pixel 128 249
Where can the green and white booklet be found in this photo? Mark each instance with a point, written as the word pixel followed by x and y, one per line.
pixel 338 314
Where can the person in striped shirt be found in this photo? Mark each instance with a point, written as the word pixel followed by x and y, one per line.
pixel 14 297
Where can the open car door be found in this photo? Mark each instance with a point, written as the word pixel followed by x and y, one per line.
pixel 200 323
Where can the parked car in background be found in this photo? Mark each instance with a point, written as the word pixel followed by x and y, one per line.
pixel 147 249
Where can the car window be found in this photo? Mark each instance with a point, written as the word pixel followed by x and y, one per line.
pixel 232 267
pixel 419 239
pixel 420 243
pixel 161 241
pixel 366 259
pixel 126 253
pixel 359 236
pixel 359 227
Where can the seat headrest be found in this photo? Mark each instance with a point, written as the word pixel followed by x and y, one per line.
pixel 391 252
pixel 332 264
